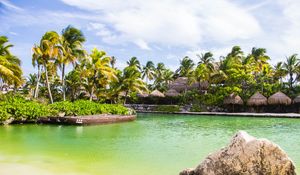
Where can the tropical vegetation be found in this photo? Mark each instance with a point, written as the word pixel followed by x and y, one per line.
pixel 65 71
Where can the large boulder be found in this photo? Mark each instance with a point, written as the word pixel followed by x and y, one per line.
pixel 246 155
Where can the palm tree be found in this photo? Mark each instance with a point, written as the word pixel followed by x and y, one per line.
pixel 71 42
pixel 131 81
pixel 46 52
pixel 113 62
pixel 148 71
pixel 291 66
pixel 186 67
pixel 31 84
pixel 10 65
pixel 206 59
pixel 97 71
pixel 4 46
pixel 135 63
pixel 279 72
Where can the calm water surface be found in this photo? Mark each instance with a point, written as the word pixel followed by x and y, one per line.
pixel 152 145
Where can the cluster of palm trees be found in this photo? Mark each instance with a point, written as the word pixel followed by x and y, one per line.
pixel 94 75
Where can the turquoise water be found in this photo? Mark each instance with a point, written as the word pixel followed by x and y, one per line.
pixel 151 145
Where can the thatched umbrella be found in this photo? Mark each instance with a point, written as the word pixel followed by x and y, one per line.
pixel 257 100
pixel 279 98
pixel 233 99
pixel 142 95
pixel 172 93
pixel 182 84
pixel 156 93
pixel 297 99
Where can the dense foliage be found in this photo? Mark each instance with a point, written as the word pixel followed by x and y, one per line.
pixel 20 109
pixel 93 75
pixel 84 107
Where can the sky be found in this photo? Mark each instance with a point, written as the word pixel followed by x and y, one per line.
pixel 158 30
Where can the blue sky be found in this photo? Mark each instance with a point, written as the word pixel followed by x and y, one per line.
pixel 158 30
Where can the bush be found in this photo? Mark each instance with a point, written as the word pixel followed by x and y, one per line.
pixel 85 107
pixel 17 107
pixel 167 108
pixel 21 109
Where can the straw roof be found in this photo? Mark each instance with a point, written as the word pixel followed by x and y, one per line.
pixel 182 84
pixel 142 95
pixel 233 99
pixel 257 100
pixel 279 98
pixel 172 93
pixel 156 93
pixel 297 99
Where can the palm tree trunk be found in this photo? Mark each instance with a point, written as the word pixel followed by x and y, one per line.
pixel 36 93
pixel 91 94
pixel 291 81
pixel 48 84
pixel 63 81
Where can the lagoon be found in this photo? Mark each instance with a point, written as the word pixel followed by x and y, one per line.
pixel 154 144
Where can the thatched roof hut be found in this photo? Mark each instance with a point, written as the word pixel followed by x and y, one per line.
pixel 142 95
pixel 182 84
pixel 172 93
pixel 257 100
pixel 233 99
pixel 156 93
pixel 279 98
pixel 297 99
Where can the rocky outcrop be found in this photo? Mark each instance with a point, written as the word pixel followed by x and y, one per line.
pixel 246 155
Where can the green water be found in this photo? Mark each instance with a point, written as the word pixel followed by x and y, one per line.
pixel 151 145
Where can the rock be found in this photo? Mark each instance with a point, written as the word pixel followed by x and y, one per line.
pixel 246 155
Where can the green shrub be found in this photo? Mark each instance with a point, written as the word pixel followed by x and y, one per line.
pixel 85 107
pixel 167 108
pixel 196 108
pixel 21 109
pixel 17 107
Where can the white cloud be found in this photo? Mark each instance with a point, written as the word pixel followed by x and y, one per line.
pixel 172 23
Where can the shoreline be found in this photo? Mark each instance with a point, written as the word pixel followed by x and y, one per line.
pixel 235 114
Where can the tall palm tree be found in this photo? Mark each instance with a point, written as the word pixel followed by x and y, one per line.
pixel 148 71
pixel 46 52
pixel 98 71
pixel 186 67
pixel 71 42
pixel 291 66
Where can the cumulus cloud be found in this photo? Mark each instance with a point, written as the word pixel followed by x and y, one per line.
pixel 186 23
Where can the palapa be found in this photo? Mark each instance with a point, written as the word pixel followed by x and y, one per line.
pixel 297 99
pixel 172 93
pixel 182 84
pixel 233 99
pixel 279 98
pixel 142 95
pixel 257 100
pixel 156 93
